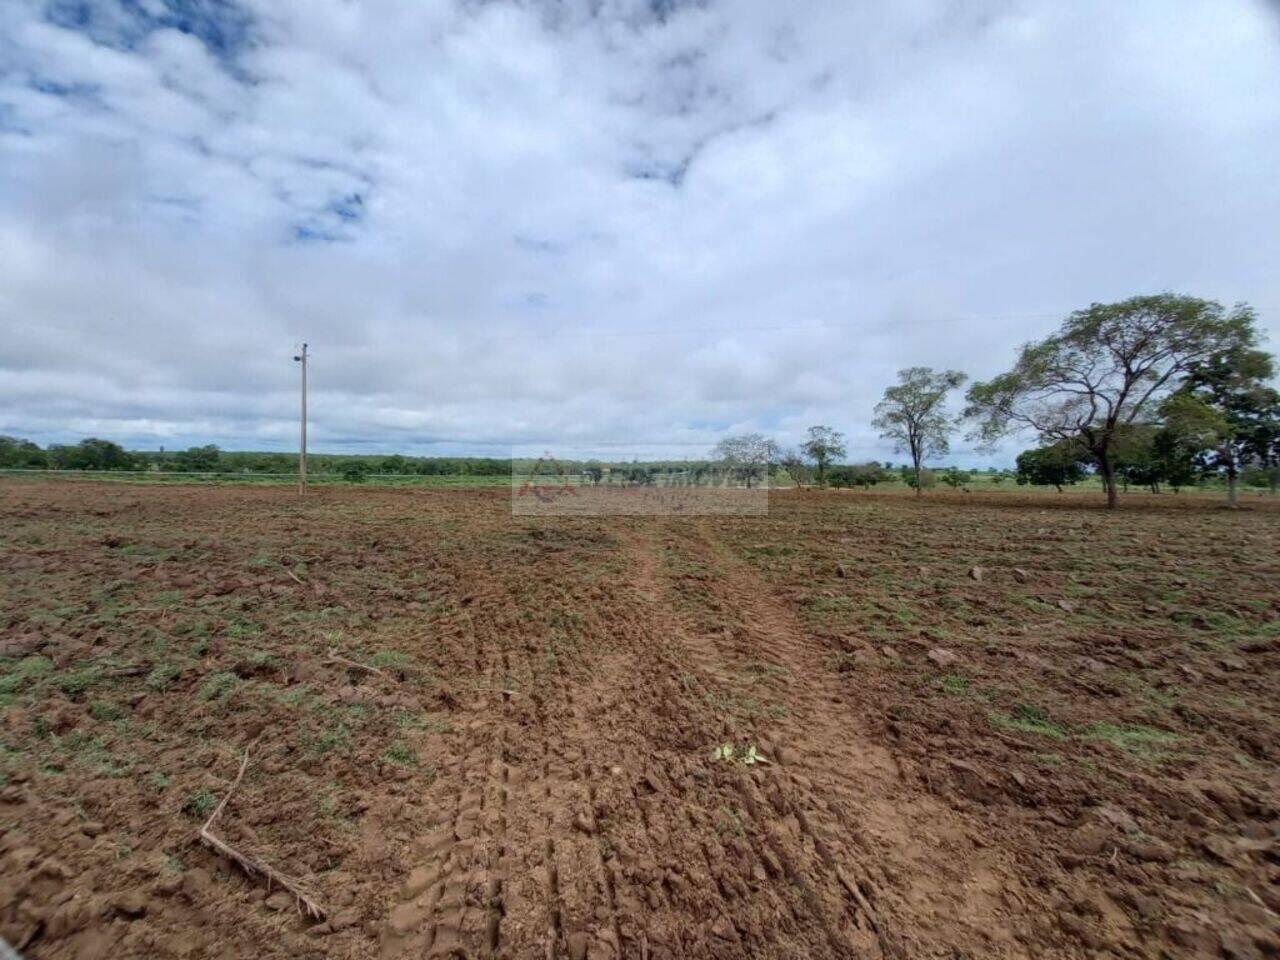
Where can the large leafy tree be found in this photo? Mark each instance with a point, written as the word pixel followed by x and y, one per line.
pixel 1107 367
pixel 91 454
pixel 913 414
pixel 1228 413
pixel 822 446
pixel 1135 457
pixel 1056 465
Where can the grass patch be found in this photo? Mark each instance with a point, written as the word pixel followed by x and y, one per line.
pixel 1028 718
pixel 104 710
pixel 161 675
pixel 336 737
pixel 400 754
pixel 390 660
pixel 90 753
pixel 1132 738
pixel 240 629
pixel 955 684
pixel 200 804
pixel 75 682
pixel 428 722
pixel 830 605
pixel 219 686
pixel 17 675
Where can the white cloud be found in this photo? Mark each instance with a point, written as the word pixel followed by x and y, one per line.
pixel 642 225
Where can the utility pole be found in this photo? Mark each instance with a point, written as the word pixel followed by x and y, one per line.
pixel 302 452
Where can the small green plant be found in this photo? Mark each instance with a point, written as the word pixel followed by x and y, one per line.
pixel 1028 718
pixel 956 684
pixel 219 686
pixel 168 598
pixel 263 660
pixel 104 710
pixel 242 628
pixel 392 660
pixel 1132 738
pixel 400 754
pixel 748 754
pixel 76 682
pixel 336 737
pixel 200 804
pixel 16 676
pixel 161 675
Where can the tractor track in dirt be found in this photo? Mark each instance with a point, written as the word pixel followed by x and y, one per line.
pixel 849 820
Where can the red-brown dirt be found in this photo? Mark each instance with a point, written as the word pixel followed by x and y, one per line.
pixel 991 726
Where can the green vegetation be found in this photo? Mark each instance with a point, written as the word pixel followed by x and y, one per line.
pixel 161 675
pixel 400 754
pixel 913 415
pixel 1028 718
pixel 200 804
pixel 1145 741
pixel 218 686
pixel 1116 374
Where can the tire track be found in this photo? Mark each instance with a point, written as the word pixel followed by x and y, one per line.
pixel 833 768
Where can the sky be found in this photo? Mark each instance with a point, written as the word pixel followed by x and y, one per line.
pixel 611 226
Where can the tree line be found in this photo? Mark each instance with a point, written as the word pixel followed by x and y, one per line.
pixel 96 454
pixel 1151 390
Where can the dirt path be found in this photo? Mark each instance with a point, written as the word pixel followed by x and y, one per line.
pixel 586 818
pixel 927 881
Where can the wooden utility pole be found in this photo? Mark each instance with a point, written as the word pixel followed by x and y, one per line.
pixel 302 452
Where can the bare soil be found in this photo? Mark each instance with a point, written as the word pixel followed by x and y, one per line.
pixel 989 726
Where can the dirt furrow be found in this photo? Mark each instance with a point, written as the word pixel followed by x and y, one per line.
pixel 841 795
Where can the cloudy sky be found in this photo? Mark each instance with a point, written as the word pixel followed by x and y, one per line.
pixel 634 226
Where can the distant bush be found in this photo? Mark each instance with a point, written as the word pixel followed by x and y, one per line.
pixel 856 475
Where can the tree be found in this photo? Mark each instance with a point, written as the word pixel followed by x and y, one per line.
pixel 913 414
pixel 792 461
pixel 823 446
pixel 356 471
pixel 748 455
pixel 23 454
pixel 1107 367
pixel 1227 413
pixel 1175 458
pixel 954 477
pixel 1135 459
pixel 204 459
pixel 857 475
pixel 91 454
pixel 925 479
pixel 396 463
pixel 1056 465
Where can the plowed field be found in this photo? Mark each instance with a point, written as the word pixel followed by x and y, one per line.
pixel 987 726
